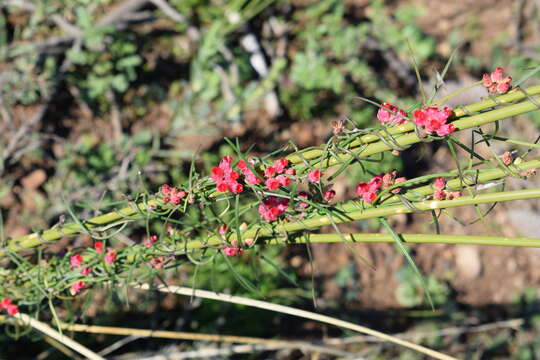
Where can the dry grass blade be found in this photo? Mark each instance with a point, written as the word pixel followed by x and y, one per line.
pixel 53 334
pixel 177 335
pixel 179 290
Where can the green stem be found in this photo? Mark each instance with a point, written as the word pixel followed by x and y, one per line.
pixel 413 239
pixel 411 138
pixel 36 239
pixel 370 213
pixel 408 127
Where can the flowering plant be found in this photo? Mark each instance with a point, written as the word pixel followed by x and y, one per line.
pixel 291 195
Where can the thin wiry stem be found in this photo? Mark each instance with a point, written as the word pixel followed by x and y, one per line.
pixel 179 290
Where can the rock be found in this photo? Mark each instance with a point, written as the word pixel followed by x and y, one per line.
pixel 468 262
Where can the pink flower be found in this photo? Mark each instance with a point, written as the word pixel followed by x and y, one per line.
pixel 172 195
pixel 270 171
pixel 393 117
pixel 225 177
pixel 12 309
pixel 362 188
pixel 232 251
pixel 397 181
pixel 434 120
pixel 251 178
pixel 110 257
pixel 157 262
pixel 439 195
pixel 7 305
pixel 76 260
pixel 329 195
pixel 165 189
pixel 280 165
pixel 369 196
pixel 495 83
pixel 272 183
pixel 98 246
pixel 304 195
pixel 507 158
pixel 439 183
pixel 273 207
pixel 223 229
pixel 77 287
pixel 375 183
pixel 453 195
pixel 150 241
pixel 314 175
pixel 86 271
pixel 4 303
pixel 283 180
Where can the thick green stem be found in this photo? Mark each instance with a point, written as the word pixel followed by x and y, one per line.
pixel 413 239
pixel 408 127
pixel 36 239
pixel 411 138
pixel 370 213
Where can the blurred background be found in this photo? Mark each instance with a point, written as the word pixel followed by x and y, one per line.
pixel 102 99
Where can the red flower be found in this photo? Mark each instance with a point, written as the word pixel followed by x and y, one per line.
pixel 272 207
pixel 369 196
pixel 495 83
pixel 12 309
pixel 270 171
pixel 77 287
pixel 393 117
pixel 439 183
pixel 76 260
pixel 7 305
pixel 232 251
pixel 110 257
pixel 362 188
pixel 225 177
pixel 98 246
pixel 283 180
pixel 223 229
pixel 150 241
pixel 86 271
pixel 314 176
pixel 280 165
pixel 434 120
pixel 329 195
pixel 157 262
pixel 272 183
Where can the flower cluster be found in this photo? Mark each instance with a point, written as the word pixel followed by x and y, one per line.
pixel 226 178
pixel 276 174
pixel 273 207
pixel 172 195
pixel 251 178
pixel 434 120
pixel 369 190
pixel 495 83
pixel 7 305
pixel 441 193
pixel 395 116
